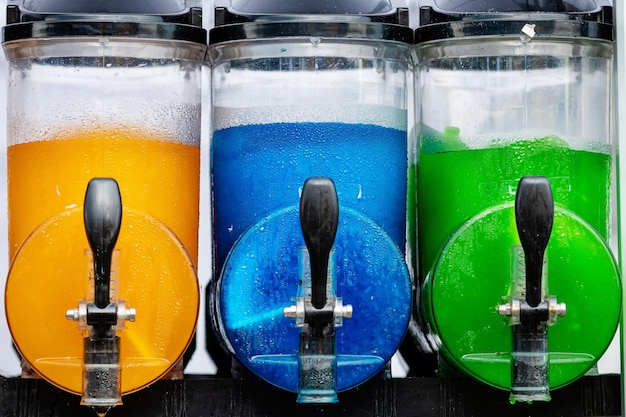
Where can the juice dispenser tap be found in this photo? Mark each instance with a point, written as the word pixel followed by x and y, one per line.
pixel 103 107
pixel 516 182
pixel 103 219
pixel 318 310
pixel 532 312
pixel 319 215
pixel 309 115
pixel 101 369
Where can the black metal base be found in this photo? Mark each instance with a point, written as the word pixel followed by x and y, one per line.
pixel 208 396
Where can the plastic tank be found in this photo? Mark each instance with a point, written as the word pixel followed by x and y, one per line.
pixel 509 91
pixel 309 92
pixel 107 91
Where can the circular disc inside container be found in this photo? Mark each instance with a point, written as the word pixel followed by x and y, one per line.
pixel 151 273
pixel 261 278
pixel 473 276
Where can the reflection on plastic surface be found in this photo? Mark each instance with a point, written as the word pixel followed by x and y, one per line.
pixel 261 278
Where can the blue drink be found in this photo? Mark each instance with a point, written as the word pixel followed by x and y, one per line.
pixel 258 169
pixel 258 172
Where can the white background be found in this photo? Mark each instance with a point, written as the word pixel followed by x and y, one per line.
pixel 9 365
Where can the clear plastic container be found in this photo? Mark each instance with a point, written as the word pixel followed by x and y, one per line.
pixel 502 96
pixel 102 95
pixel 295 98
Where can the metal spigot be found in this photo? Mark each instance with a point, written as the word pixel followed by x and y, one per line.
pixel 318 311
pixel 530 315
pixel 101 368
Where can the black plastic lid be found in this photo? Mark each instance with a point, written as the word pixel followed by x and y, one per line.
pixel 511 6
pixel 155 19
pixel 278 29
pixel 239 11
pixel 325 7
pixel 442 19
pixel 261 19
pixel 34 9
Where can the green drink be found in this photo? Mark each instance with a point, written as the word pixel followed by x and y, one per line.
pixel 455 186
pixel 467 238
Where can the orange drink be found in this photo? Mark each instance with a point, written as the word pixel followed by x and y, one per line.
pixel 156 251
pixel 158 177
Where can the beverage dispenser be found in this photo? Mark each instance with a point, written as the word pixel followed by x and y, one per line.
pixel 311 290
pixel 103 190
pixel 516 190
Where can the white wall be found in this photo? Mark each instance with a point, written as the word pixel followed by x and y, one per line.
pixel 8 360
pixel 620 59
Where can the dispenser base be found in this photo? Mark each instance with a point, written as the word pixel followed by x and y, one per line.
pixel 250 397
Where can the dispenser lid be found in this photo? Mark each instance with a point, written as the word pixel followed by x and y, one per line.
pixel 36 9
pixel 325 7
pixel 259 19
pixel 283 29
pixel 443 19
pixel 238 11
pixel 514 6
pixel 158 19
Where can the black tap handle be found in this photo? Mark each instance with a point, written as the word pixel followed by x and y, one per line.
pixel 319 216
pixel 103 218
pixel 534 215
